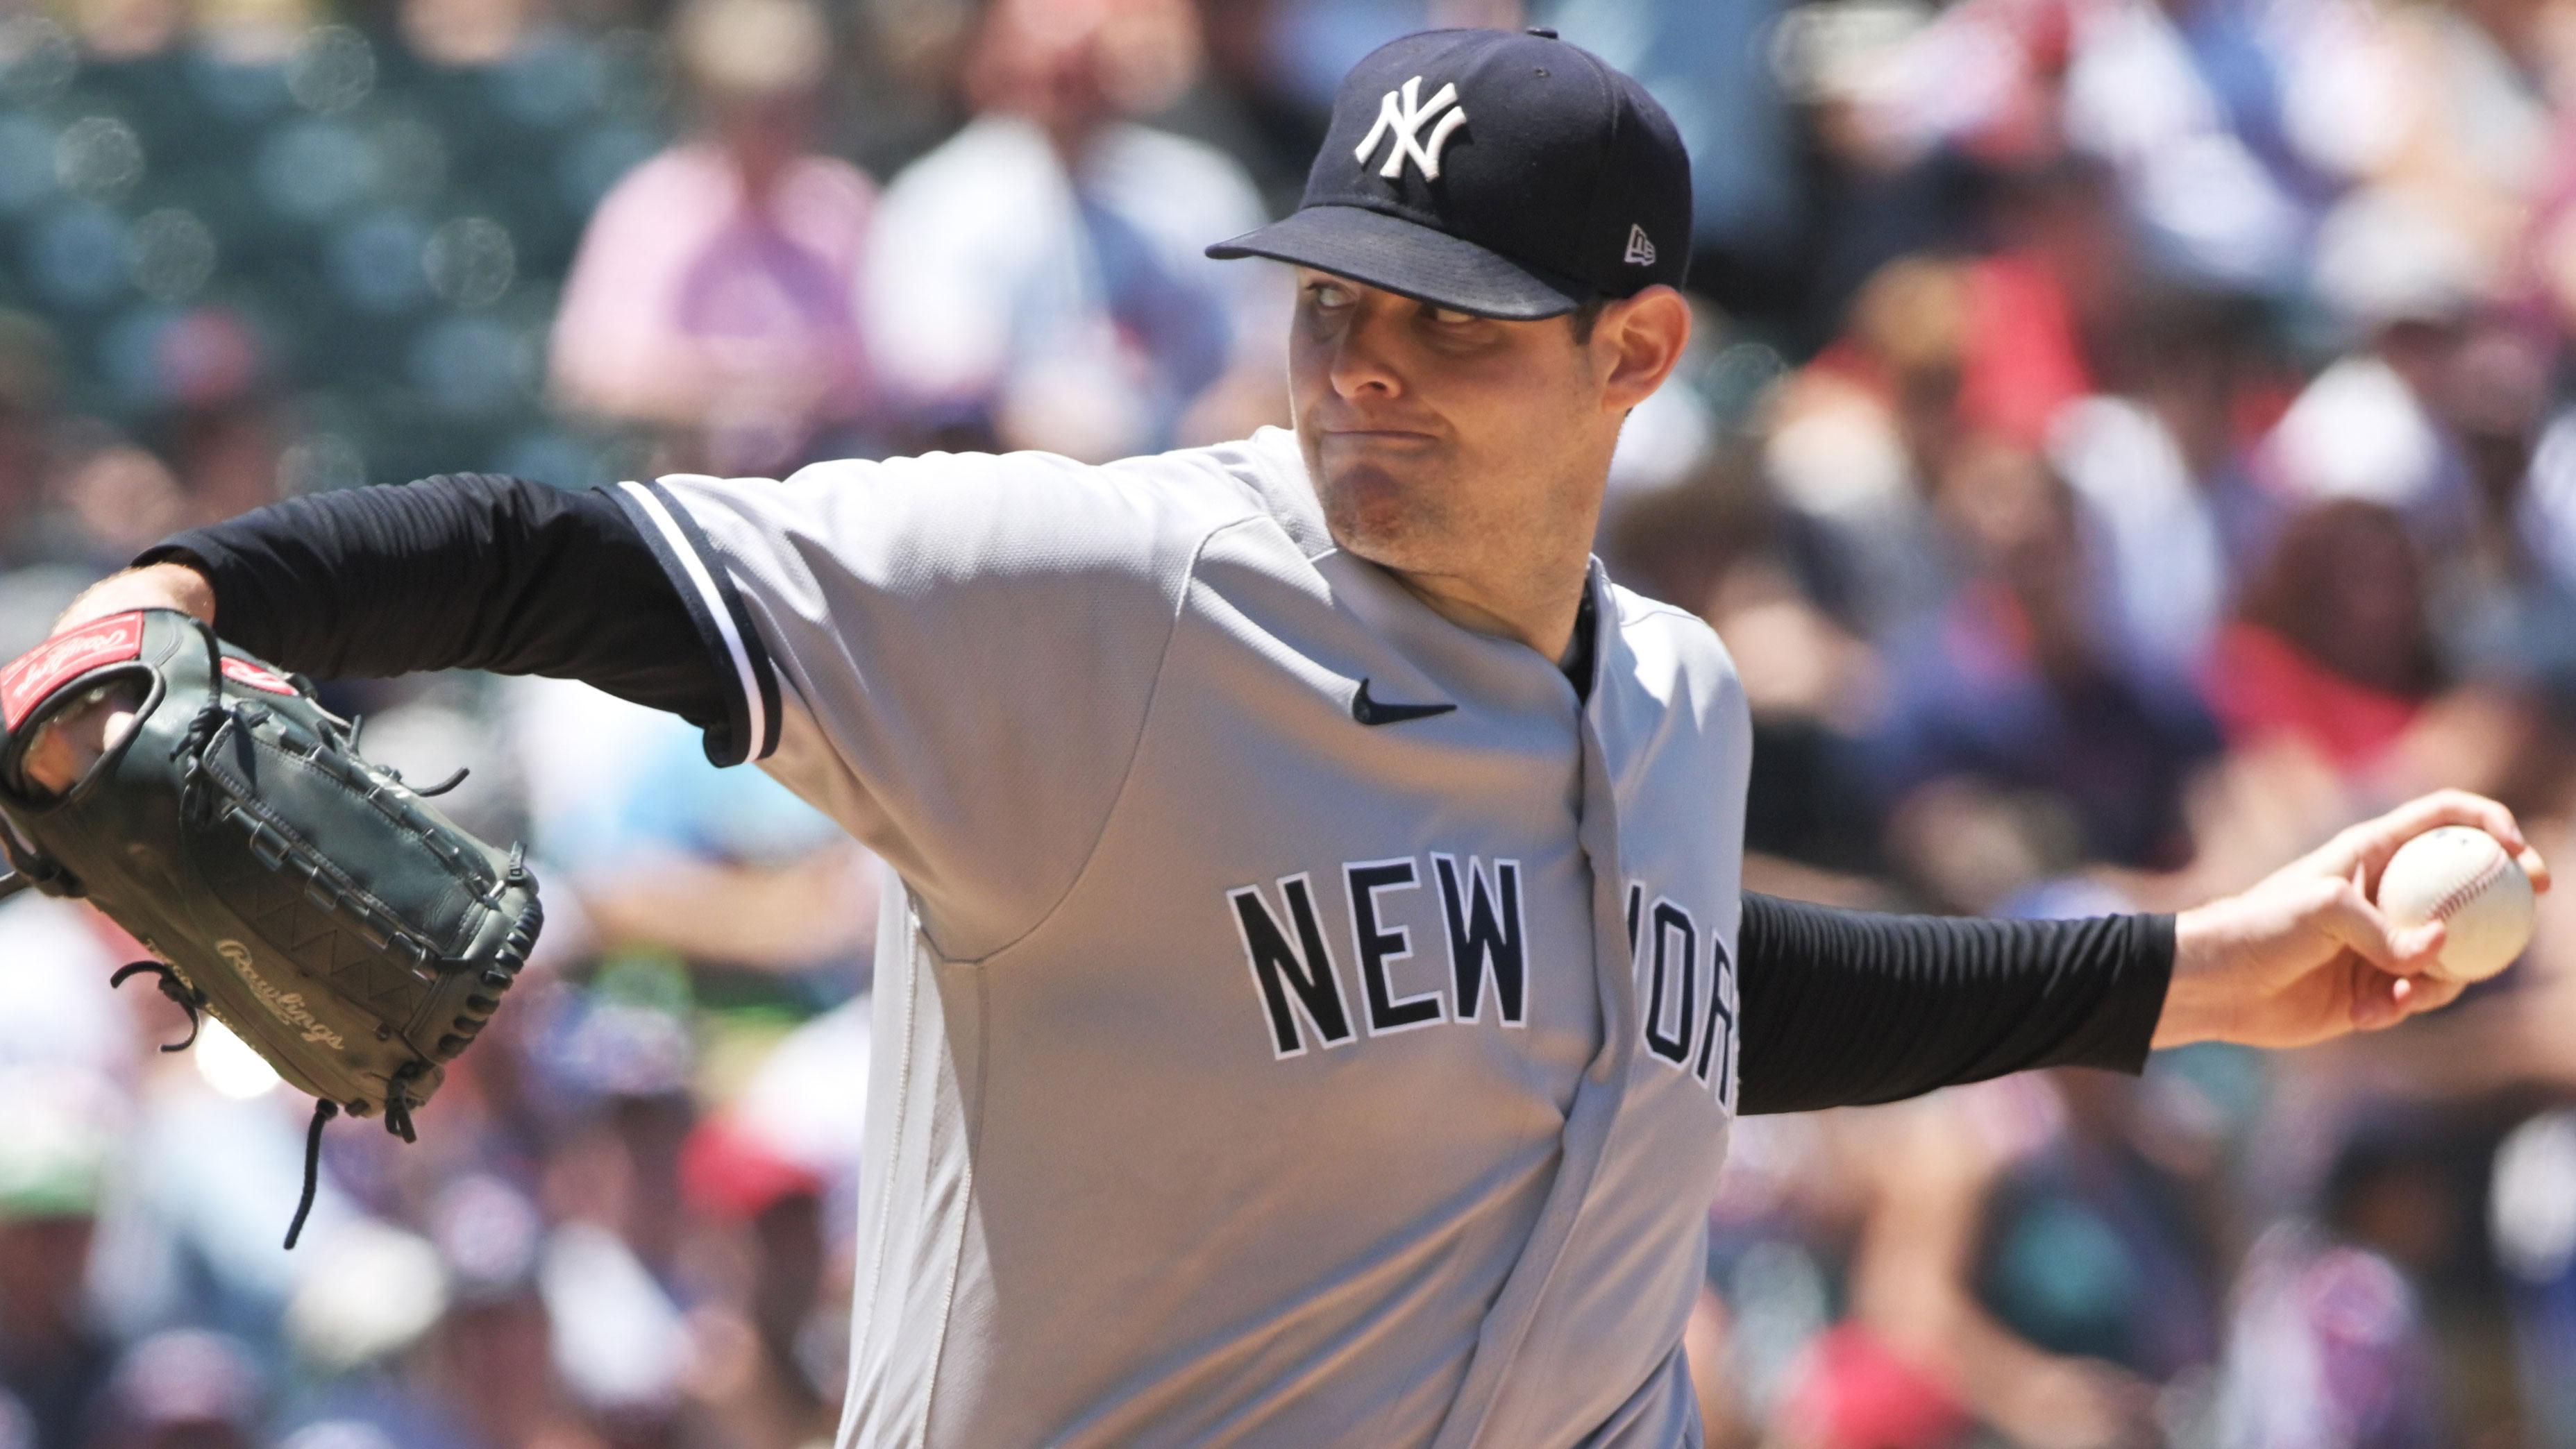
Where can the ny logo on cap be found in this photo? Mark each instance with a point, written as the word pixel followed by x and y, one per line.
pixel 1404 119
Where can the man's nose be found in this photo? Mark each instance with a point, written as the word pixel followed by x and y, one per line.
pixel 1361 362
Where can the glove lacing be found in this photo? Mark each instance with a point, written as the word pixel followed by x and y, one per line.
pixel 324 1109
pixel 397 1122
pixel 190 999
pixel 190 750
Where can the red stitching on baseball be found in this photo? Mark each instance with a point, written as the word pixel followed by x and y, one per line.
pixel 2459 895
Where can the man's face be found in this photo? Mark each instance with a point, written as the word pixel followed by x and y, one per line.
pixel 1443 443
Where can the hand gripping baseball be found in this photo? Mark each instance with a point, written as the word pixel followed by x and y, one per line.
pixel 310 900
pixel 2306 954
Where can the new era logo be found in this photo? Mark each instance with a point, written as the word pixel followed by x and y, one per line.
pixel 1641 248
pixel 1403 113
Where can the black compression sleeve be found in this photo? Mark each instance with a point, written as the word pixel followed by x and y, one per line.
pixel 1842 1008
pixel 460 571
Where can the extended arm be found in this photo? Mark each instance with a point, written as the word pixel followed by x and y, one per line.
pixel 460 571
pixel 1842 1008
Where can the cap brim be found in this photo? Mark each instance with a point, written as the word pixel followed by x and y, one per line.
pixel 1408 258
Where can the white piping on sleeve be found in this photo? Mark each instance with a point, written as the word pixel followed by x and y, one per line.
pixel 699 575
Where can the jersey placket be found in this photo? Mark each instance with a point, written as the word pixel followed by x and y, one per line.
pixel 1592 1123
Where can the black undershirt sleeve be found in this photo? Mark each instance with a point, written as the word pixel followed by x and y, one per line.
pixel 1842 1008
pixel 460 571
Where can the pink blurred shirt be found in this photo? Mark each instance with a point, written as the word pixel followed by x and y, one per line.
pixel 686 306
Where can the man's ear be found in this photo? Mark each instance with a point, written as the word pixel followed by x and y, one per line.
pixel 1637 344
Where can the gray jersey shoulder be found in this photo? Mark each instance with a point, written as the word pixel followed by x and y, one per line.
pixel 966 643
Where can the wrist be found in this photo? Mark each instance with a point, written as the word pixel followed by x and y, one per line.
pixel 2192 1010
pixel 167 585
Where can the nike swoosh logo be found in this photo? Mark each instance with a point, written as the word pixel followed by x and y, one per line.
pixel 1369 712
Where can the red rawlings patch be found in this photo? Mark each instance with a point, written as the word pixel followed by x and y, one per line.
pixel 257 676
pixel 66 657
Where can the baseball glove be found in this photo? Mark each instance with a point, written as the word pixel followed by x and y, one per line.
pixel 349 932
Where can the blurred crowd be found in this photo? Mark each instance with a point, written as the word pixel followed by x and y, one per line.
pixel 2126 440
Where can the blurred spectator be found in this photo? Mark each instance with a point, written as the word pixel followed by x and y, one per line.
pixel 754 1343
pixel 2169 507
pixel 1854 438
pixel 1855 1393
pixel 2332 648
pixel 663 850
pixel 2007 1256
pixel 183 1389
pixel 2520 618
pixel 49 1015
pixel 2456 111
pixel 2504 601
pixel 2329 1347
pixel 2371 425
pixel 468 32
pixel 54 1354
pixel 2094 1245
pixel 2046 307
pixel 2532 1207
pixel 122 499
pixel 1037 280
pixel 712 299
pixel 2008 688
pixel 2194 105
pixel 28 385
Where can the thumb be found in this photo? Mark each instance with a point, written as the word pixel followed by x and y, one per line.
pixel 2348 918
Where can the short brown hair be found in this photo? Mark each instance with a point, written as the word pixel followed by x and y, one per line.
pixel 1586 317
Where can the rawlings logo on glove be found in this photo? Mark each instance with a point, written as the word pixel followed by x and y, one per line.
pixel 286 1006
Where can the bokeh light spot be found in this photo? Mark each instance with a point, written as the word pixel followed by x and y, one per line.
pixel 333 70
pixel 470 261
pixel 170 254
pixel 98 156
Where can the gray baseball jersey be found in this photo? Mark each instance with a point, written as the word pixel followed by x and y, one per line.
pixel 1305 1021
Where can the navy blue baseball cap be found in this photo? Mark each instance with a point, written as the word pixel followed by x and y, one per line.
pixel 1499 172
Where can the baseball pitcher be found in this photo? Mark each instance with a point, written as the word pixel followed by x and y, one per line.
pixel 1318 990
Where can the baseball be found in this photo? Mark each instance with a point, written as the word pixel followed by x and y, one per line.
pixel 2460 875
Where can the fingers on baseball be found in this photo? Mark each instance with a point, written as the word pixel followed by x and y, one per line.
pixel 2348 917
pixel 2534 867
pixel 2372 842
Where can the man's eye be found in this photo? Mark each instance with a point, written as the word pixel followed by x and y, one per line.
pixel 1326 295
pixel 1451 317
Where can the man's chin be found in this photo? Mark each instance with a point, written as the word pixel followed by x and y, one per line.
pixel 1380 529
pixel 1378 502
